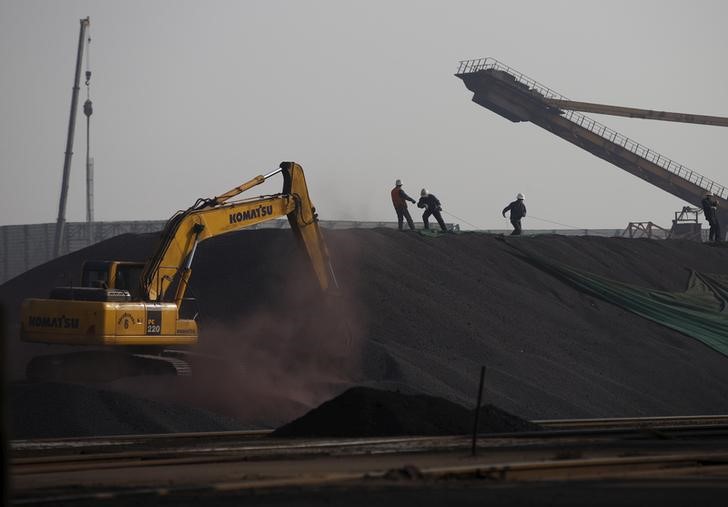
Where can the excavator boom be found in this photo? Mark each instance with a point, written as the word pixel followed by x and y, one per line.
pixel 171 264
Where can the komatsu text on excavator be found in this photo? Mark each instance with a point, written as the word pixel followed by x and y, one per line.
pixel 136 306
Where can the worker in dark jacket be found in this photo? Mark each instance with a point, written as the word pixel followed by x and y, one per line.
pixel 399 200
pixel 432 207
pixel 518 211
pixel 710 210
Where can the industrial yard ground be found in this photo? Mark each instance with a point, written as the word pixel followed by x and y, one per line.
pixel 598 462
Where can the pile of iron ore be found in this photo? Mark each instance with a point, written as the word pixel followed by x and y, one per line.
pixel 367 412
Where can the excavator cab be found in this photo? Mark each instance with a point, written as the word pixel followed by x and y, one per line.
pixel 114 281
pixel 119 275
pixel 96 274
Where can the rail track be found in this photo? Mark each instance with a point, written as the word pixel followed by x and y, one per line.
pixel 200 442
pixel 80 469
pixel 635 422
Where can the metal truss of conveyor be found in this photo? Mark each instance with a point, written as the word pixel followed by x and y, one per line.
pixel 518 98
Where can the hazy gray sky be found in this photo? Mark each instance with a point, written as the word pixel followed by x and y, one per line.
pixel 192 98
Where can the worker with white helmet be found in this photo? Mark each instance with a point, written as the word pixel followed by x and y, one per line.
pixel 518 211
pixel 399 200
pixel 432 207
pixel 710 211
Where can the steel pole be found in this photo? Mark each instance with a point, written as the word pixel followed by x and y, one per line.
pixel 474 448
pixel 60 223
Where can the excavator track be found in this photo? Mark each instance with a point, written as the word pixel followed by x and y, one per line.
pixel 181 366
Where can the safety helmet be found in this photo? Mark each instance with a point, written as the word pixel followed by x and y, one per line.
pixel 398 183
pixel 423 193
pixel 520 196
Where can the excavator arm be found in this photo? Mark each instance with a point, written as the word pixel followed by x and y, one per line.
pixel 304 224
pixel 171 264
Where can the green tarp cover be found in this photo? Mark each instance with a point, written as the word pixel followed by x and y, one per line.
pixel 699 312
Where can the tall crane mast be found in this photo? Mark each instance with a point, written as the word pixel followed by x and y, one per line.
pixel 61 221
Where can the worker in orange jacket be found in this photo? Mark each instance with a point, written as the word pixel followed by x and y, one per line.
pixel 399 200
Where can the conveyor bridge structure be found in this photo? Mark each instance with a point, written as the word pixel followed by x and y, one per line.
pixel 519 98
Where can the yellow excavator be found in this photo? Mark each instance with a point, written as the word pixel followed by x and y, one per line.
pixel 129 306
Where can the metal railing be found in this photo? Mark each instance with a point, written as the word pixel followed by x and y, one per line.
pixel 471 66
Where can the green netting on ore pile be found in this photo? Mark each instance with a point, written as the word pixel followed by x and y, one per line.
pixel 699 312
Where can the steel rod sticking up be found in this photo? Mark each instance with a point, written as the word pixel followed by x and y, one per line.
pixel 476 421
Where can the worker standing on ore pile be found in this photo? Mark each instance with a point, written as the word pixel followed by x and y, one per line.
pixel 518 211
pixel 399 200
pixel 710 210
pixel 432 207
